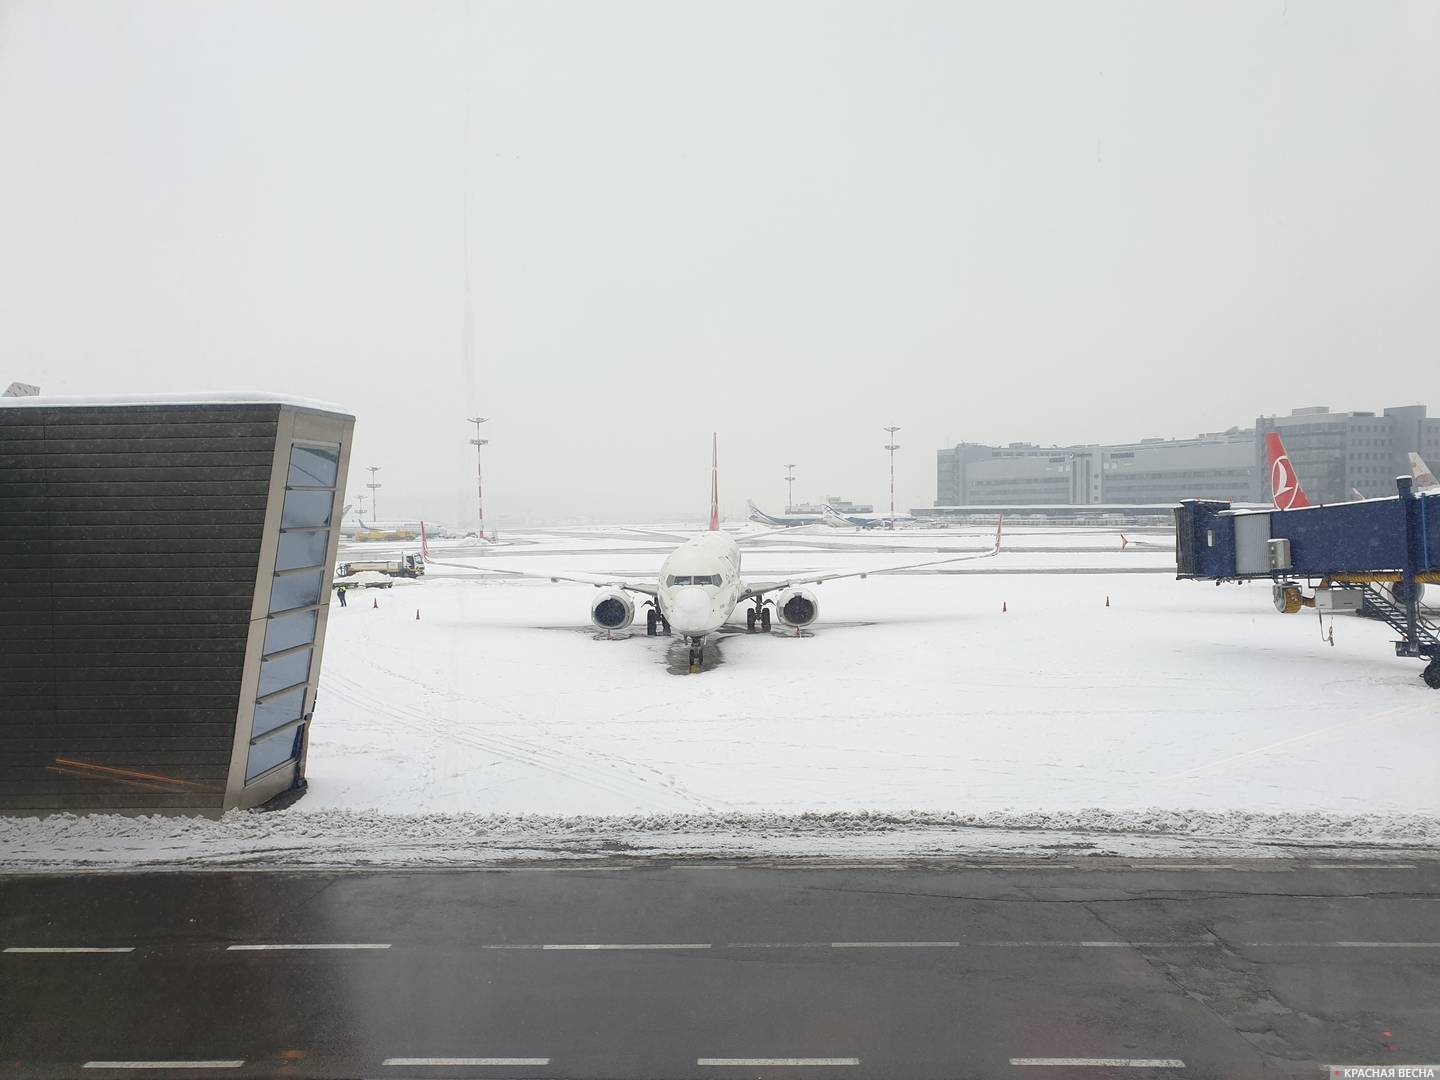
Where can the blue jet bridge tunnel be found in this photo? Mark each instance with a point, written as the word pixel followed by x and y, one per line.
pixel 1373 557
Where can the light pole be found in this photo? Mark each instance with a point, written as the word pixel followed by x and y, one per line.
pixel 478 442
pixel 892 446
pixel 790 488
pixel 374 486
pixel 360 499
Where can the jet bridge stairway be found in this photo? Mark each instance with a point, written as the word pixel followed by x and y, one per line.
pixel 1425 642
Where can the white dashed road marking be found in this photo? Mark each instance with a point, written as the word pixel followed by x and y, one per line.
pixel 163 1064
pixel 455 1062
pixel 604 948
pixel 66 949
pixel 1342 944
pixel 269 948
pixel 1104 1063
pixel 760 1062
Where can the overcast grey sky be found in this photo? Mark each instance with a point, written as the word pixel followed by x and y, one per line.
pixel 793 223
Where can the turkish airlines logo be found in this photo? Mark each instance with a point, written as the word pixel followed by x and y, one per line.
pixel 1283 485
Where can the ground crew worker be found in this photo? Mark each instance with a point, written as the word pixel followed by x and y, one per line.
pixel 340 592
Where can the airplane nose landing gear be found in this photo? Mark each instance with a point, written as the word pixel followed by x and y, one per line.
pixel 697 656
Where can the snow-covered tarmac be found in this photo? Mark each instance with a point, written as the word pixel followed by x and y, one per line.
pixel 1065 684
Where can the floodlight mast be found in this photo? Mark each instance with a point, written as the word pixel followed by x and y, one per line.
pixel 892 446
pixel 478 442
pixel 374 486
pixel 790 488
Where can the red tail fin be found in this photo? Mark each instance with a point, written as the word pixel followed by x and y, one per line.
pixel 424 544
pixel 714 482
pixel 1285 489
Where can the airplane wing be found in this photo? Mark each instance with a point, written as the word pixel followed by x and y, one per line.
pixel 758 588
pixel 491 569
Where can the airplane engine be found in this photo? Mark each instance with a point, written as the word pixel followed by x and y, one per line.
pixel 612 610
pixel 1400 592
pixel 797 607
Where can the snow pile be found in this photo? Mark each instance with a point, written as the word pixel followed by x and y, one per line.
pixel 345 838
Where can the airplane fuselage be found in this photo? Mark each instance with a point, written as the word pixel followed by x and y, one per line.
pixel 700 585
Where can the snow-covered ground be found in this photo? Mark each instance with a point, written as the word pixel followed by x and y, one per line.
pixel 1065 684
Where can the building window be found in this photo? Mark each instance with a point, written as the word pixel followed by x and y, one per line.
pixel 300 574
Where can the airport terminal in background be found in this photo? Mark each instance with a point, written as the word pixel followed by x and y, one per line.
pixel 1338 453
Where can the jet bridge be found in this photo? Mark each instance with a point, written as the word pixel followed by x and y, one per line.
pixel 1373 557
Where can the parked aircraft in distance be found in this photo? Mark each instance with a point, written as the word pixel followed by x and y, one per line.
pixel 1425 482
pixel 1285 490
pixel 782 521
pixel 845 520
pixel 700 585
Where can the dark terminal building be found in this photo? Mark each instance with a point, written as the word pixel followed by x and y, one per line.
pixel 165 571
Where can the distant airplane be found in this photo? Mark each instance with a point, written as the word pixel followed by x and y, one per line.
pixel 782 521
pixel 1142 545
pixel 841 520
pixel 408 530
pixel 1425 482
pixel 1285 489
pixel 699 585
pixel 21 389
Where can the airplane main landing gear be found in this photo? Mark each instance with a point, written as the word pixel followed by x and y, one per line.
pixel 655 623
pixel 1431 674
pixel 758 614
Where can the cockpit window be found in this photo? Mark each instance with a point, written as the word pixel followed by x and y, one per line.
pixel 694 579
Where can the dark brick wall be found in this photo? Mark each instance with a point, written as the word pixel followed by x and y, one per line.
pixel 129 538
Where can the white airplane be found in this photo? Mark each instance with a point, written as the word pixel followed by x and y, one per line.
pixel 699 585
pixel 1425 482
pixel 839 520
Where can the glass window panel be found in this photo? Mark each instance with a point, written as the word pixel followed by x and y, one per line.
pixel 314 466
pixel 268 753
pixel 290 630
pixel 278 710
pixel 284 671
pixel 295 590
pixel 301 549
pixel 305 508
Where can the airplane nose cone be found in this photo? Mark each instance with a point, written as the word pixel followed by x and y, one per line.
pixel 691 611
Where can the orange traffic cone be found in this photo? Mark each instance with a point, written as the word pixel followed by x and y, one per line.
pixel 1107 601
pixel 1004 606
pixel 417 614
pixel 375 601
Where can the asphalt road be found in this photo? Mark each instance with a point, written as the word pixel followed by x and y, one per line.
pixel 1267 969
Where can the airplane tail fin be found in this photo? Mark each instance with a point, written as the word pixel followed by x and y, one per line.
pixel 1424 478
pixel 424 544
pixel 999 525
pixel 1124 542
pixel 714 482
pixel 1285 489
